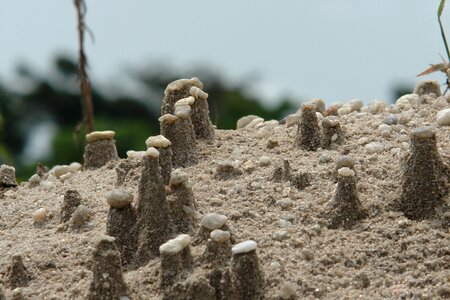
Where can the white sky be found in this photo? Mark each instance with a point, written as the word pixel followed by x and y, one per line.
pixel 336 50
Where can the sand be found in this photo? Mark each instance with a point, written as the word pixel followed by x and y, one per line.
pixel 385 256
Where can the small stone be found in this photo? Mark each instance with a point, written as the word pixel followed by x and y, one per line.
pixel 355 104
pixel 100 135
pixel 264 161
pixel 286 203
pixel 284 224
pixel 35 179
pixel 280 235
pixel 376 107
pixel 119 198
pixel 344 110
pixel 275 265
pixel 384 130
pixel 254 123
pixel 213 221
pixel 244 247
pixel 131 154
pixel 292 120
pixel 244 121
pixel 307 254
pixel 152 152
pixel 287 290
pixel 40 215
pixel 46 185
pixel 443 117
pixel 390 119
pixel 158 141
pixel 346 172
pixel 374 147
pixel 220 235
pixel 344 161
pixel 324 158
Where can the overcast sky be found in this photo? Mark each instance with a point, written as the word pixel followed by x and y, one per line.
pixel 334 49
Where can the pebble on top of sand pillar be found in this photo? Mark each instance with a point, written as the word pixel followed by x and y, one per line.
pixel 332 132
pixel 427 87
pixel 345 209
pixel 308 131
pixel 177 90
pixel 183 207
pixel 172 259
pixel 209 223
pixel 7 176
pixel 163 145
pixel 100 149
pixel 72 200
pixel 218 248
pixel 204 129
pixel 121 223
pixel 425 176
pixel 247 276
pixel 179 130
pixel 107 280
pixel 153 217
pixel 16 274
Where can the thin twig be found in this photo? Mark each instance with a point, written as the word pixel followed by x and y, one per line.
pixel 440 9
pixel 82 62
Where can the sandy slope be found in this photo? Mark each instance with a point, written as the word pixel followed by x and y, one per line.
pixel 383 257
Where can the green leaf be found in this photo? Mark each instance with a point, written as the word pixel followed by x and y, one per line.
pixel 441 8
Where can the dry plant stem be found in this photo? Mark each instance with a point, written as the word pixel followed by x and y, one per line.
pixel 107 282
pixel 424 176
pixel 82 61
pixel 153 217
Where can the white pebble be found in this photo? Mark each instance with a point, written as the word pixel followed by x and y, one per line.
pixel 119 198
pixel 40 215
pixel 275 265
pixel 384 130
pixel 131 154
pixel 220 235
pixel 284 224
pixel 152 152
pixel 286 203
pixel 443 117
pixel 244 121
pixel 324 158
pixel 46 185
pixel 100 135
pixel 158 141
pixel 355 104
pixel 287 290
pixel 213 221
pixel 344 110
pixel 244 247
pixel 292 120
pixel 346 172
pixel 264 161
pixel 254 122
pixel 35 179
pixel 374 147
pixel 171 247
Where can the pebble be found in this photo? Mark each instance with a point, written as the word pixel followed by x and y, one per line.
pixel 376 107
pixel 286 203
pixel 171 247
pixel 213 221
pixel 284 224
pixel 324 158
pixel 254 123
pixel 355 104
pixel 346 172
pixel 443 117
pixel 35 179
pixel 46 185
pixel 40 215
pixel 292 120
pixel 244 247
pixel 100 135
pixel 275 265
pixel 280 235
pixel 244 121
pixel 344 110
pixel 220 235
pixel 391 119
pixel 264 161
pixel 287 290
pixel 119 198
pixel 344 161
pixel 374 147
pixel 384 130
